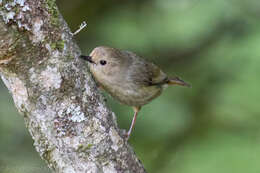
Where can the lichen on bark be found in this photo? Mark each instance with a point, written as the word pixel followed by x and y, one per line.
pixel 72 129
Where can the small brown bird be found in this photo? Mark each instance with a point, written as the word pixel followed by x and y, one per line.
pixel 128 78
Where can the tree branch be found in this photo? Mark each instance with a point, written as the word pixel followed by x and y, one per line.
pixel 72 129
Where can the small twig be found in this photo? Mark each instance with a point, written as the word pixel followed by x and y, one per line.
pixel 82 26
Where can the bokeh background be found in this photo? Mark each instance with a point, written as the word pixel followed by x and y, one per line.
pixel 214 45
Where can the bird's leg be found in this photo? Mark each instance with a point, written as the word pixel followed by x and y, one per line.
pixel 136 110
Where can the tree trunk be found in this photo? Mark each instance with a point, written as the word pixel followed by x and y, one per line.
pixel 72 129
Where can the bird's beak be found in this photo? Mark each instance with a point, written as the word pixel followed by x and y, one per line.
pixel 87 58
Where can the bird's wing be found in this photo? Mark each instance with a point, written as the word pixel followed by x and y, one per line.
pixel 155 75
pixel 144 72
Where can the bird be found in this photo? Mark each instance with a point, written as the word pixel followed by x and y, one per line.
pixel 129 78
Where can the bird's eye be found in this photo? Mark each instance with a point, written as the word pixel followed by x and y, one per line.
pixel 103 62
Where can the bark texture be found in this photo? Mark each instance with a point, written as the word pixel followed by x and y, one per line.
pixel 72 129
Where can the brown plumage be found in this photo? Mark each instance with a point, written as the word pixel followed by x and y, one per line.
pixel 128 78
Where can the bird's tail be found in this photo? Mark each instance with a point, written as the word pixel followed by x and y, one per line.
pixel 177 81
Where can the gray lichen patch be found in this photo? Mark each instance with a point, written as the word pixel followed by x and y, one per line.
pixel 109 168
pixel 116 139
pixel 36 20
pixel 8 16
pixel 38 34
pixel 49 78
pixel 14 11
pixel 68 118
pixel 56 162
pixel 77 114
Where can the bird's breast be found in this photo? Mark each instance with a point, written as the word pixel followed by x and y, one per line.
pixel 131 94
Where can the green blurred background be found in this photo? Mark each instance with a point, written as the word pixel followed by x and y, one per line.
pixel 213 44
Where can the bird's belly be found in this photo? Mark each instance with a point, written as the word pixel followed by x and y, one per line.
pixel 134 96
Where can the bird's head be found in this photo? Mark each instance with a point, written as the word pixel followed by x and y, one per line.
pixel 106 63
